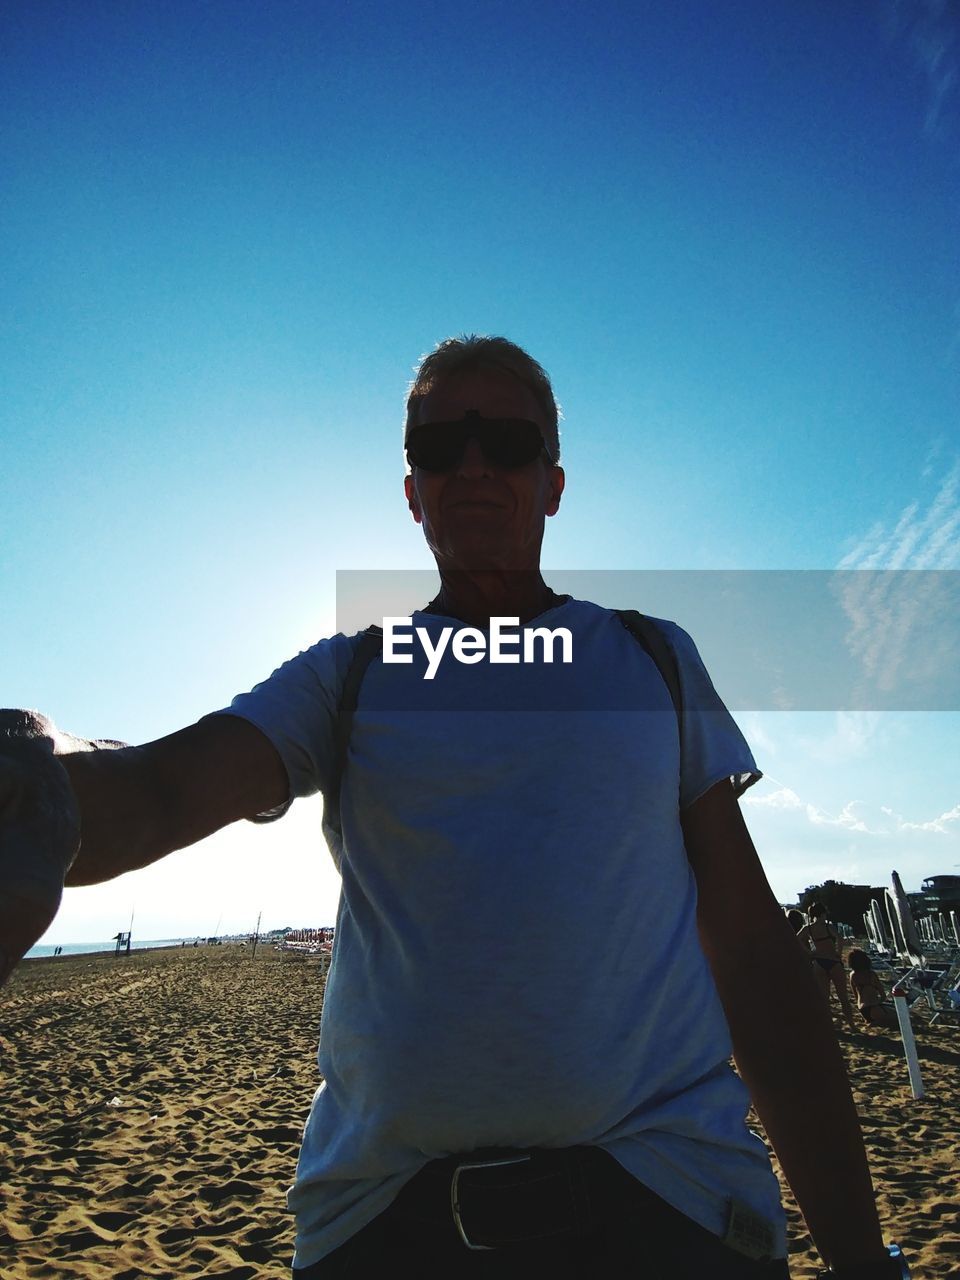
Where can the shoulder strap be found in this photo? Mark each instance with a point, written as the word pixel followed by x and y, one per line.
pixel 649 636
pixel 646 632
pixel 371 643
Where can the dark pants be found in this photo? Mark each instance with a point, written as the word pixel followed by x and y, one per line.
pixel 629 1234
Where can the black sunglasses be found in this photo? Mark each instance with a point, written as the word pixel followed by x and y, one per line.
pixel 504 442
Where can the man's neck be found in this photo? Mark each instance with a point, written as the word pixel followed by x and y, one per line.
pixel 475 598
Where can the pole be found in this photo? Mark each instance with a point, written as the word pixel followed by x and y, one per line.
pixel 909 1046
pixel 256 937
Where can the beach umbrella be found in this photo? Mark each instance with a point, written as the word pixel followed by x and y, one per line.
pixel 871 929
pixel 913 948
pixel 879 923
pixel 893 924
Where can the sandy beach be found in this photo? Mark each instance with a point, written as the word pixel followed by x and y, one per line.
pixel 153 1106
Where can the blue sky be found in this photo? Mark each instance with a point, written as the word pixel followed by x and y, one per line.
pixel 227 232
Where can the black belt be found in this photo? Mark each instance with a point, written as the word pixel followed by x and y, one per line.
pixel 501 1197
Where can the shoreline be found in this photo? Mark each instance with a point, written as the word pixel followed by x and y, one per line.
pixel 111 952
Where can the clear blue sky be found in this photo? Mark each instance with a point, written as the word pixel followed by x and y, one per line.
pixel 227 232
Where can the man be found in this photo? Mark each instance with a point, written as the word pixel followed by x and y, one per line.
pixel 492 1105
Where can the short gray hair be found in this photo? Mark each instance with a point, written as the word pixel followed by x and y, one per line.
pixel 477 351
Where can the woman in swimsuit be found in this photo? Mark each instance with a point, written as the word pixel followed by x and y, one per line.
pixel 796 919
pixel 824 942
pixel 869 991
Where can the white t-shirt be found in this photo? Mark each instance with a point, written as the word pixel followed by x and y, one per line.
pixel 516 960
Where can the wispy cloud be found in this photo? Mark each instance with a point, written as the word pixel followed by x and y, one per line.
pixel 902 625
pixel 787 800
pixel 924 536
pixel 928 29
pixel 929 32
pixel 854 816
pixel 941 825
pixel 852 735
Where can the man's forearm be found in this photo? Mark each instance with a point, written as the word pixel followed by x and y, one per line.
pixel 138 804
pixel 787 1053
pixel 123 824
pixel 783 1038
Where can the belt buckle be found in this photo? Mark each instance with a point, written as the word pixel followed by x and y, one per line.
pixel 455 1199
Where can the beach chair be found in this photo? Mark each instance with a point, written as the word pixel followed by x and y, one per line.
pixel 946 994
pixel 950 1006
pixel 937 987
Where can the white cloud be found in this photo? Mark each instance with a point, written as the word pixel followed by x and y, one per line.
pixel 801 843
pixel 940 825
pixel 782 798
pixel 882 821
pixel 902 623
pixel 922 538
pixel 787 800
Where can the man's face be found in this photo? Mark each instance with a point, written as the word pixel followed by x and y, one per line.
pixel 480 516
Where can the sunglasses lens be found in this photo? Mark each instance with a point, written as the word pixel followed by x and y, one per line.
pixel 438 446
pixel 504 442
pixel 511 443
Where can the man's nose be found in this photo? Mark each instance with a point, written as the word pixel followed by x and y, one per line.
pixel 473 465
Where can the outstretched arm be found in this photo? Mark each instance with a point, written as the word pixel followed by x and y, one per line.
pixel 783 1038
pixel 138 804
pixel 80 812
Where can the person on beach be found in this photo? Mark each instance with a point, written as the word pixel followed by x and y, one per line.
pixel 824 943
pixel 869 990
pixel 489 1108
pixel 797 921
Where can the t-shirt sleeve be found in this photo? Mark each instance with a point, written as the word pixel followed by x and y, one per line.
pixel 296 708
pixel 712 746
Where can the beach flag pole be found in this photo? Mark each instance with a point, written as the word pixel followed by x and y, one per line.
pixel 256 937
pixel 909 1045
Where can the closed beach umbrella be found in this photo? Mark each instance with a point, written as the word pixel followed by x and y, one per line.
pixel 912 944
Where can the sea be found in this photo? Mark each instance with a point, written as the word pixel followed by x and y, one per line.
pixel 87 948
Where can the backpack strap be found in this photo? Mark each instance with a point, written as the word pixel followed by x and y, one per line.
pixel 649 636
pixel 646 632
pixel 371 644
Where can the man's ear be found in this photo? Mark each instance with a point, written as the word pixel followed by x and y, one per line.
pixel 412 501
pixel 556 482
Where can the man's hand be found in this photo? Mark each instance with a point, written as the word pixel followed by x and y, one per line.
pixel 39 832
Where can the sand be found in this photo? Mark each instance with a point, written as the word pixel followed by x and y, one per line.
pixel 153 1106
